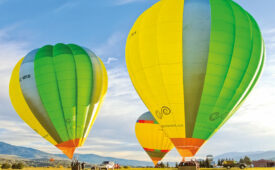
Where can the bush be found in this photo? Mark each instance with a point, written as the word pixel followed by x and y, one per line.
pixel 6 166
pixel 126 167
pixel 17 166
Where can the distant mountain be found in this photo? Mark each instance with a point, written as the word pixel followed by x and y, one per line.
pixel 268 155
pixel 96 159
pixel 19 152
pixel 12 152
pixel 23 152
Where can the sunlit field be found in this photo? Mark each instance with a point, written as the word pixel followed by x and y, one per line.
pixel 155 168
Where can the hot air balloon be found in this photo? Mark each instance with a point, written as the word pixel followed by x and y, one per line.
pixel 152 138
pixel 58 90
pixel 193 63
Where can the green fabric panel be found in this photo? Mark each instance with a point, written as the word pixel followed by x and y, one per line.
pixel 65 71
pixel 84 74
pixel 46 81
pixel 253 71
pixel 156 154
pixel 257 76
pixel 222 41
pixel 243 68
pixel 247 93
pixel 196 38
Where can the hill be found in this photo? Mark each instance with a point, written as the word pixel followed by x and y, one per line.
pixel 13 152
pixel 268 155
pixel 19 152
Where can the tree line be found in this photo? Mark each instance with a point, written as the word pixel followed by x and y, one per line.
pixel 19 165
pixel 245 160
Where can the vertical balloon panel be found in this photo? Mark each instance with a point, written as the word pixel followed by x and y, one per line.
pixel 22 108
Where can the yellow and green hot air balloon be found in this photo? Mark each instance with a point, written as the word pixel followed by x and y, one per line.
pixel 193 63
pixel 58 90
pixel 152 138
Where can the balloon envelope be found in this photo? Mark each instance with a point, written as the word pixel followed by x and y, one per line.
pixel 58 90
pixel 193 63
pixel 152 138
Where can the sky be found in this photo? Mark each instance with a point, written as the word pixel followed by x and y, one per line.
pixel 102 26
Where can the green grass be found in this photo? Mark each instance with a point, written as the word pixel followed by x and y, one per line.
pixel 153 169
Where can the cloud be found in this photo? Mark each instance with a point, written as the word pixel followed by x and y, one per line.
pixel 111 59
pixel 269 31
pixel 66 6
pixel 12 129
pixel 113 48
pixel 11 51
pixel 269 38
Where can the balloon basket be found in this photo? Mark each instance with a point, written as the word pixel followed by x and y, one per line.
pixel 189 165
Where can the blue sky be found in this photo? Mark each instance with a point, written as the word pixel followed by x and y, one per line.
pixel 102 26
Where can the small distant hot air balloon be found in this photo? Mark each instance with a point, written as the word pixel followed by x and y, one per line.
pixel 52 160
pixel 193 63
pixel 58 90
pixel 152 138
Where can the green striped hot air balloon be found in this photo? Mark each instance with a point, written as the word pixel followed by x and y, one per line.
pixel 58 90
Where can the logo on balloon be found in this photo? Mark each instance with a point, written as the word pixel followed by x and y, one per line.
pixel 25 77
pixel 134 33
pixel 216 115
pixel 164 111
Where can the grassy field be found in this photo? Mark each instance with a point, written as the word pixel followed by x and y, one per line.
pixel 155 169
pixel 200 169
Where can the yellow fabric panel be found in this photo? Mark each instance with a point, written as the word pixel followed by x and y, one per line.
pixel 151 136
pixel 100 91
pixel 21 107
pixel 158 77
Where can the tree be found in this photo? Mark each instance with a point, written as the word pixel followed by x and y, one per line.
pixel 17 166
pixel 207 163
pixel 20 165
pixel 247 160
pixel 6 166
pixel 177 165
pixel 202 163
pixel 221 161
pixel 167 165
pixel 162 165
pixel 242 160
